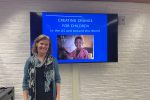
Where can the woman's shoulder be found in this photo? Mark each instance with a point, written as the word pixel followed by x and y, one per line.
pixel 30 59
pixel 28 62
pixel 52 58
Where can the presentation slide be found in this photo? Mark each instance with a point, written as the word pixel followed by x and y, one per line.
pixel 75 37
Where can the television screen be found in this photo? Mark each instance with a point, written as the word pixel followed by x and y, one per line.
pixel 78 37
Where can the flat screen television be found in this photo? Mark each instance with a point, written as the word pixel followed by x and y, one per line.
pixel 78 37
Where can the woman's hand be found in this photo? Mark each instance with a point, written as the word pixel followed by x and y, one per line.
pixel 58 98
pixel 25 94
pixel 58 91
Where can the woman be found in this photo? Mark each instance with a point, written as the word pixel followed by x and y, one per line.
pixel 41 74
pixel 79 52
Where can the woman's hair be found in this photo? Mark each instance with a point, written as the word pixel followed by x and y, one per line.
pixel 37 40
pixel 78 37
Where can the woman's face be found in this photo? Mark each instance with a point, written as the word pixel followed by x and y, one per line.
pixel 78 43
pixel 43 46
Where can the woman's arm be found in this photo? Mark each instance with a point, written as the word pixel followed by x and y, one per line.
pixel 25 83
pixel 25 94
pixel 58 91
pixel 57 80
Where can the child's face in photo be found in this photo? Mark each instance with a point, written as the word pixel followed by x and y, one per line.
pixel 78 43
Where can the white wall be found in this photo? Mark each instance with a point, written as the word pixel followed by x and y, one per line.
pixel 129 79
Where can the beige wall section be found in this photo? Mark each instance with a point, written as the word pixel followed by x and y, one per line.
pixel 129 79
